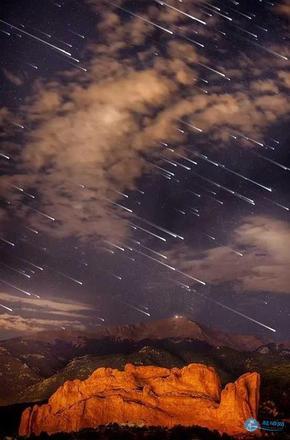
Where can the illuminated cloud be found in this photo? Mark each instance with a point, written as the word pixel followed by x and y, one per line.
pixel 264 265
pixel 14 79
pixel 19 324
pixel 51 314
pixel 92 132
pixel 48 305
pixel 283 8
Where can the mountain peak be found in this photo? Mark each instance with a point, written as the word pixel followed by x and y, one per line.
pixel 174 327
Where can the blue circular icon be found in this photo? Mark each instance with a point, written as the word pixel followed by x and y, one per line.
pixel 251 424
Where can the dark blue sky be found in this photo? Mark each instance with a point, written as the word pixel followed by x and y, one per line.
pixel 144 164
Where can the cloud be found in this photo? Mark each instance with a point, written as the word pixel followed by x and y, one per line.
pixel 92 132
pixel 36 314
pixel 19 324
pixel 44 304
pixel 14 79
pixel 283 8
pixel 264 265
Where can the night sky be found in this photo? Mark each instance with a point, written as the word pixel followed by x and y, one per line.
pixel 145 166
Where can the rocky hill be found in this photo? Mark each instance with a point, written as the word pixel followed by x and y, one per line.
pixel 34 367
pixel 150 396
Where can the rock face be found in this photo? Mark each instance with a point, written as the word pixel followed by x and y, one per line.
pixel 150 396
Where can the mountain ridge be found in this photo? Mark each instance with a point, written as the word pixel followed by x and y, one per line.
pixel 173 327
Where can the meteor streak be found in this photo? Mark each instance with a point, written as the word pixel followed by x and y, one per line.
pixel 141 18
pixel 266 49
pixel 172 234
pixel 36 38
pixel 278 204
pixel 183 157
pixel 16 270
pixel 135 308
pixel 32 264
pixel 162 169
pixel 271 161
pixel 220 165
pixel 234 193
pixel 181 12
pixel 245 316
pixel 133 226
pixel 216 12
pixel 236 312
pixel 115 245
pixel 42 213
pixel 6 308
pixel 214 70
pixel 150 250
pixel 67 276
pixel 190 125
pixel 171 267
pixel 17 288
pixel 32 230
pixel 7 241
pixel 22 190
pixel 119 206
pixel 5 156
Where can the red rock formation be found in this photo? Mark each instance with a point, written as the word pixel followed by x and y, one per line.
pixel 150 396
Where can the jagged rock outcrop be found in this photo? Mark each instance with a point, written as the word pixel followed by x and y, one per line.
pixel 151 396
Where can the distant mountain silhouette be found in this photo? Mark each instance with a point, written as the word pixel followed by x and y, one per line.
pixel 175 327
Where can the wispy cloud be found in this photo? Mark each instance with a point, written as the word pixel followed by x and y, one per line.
pixel 283 8
pixel 17 324
pixel 37 314
pixel 14 79
pixel 264 243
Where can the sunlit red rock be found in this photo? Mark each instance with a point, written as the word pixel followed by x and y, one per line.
pixel 150 396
